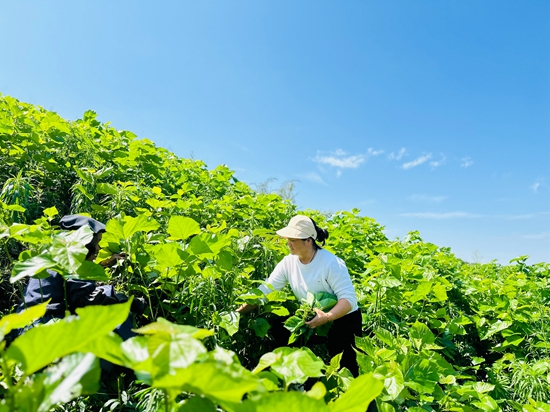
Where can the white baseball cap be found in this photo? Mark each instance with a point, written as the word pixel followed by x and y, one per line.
pixel 299 227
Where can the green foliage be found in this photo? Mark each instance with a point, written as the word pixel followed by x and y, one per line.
pixel 296 323
pixel 439 333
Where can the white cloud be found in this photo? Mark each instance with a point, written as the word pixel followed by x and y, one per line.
pixel 372 152
pixel 418 161
pixel 466 162
pixel 535 187
pixel 428 199
pixel 341 160
pixel 398 156
pixel 436 164
pixel 440 216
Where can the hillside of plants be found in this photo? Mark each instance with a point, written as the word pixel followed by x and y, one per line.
pixel 439 334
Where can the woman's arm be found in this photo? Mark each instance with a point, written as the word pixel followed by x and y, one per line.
pixel 246 307
pixel 339 310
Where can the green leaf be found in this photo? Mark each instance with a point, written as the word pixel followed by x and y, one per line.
pixel 167 256
pixel 230 322
pixel 496 327
pixel 43 344
pixel 22 319
pixel 260 327
pixel 283 401
pixel 92 271
pixel 105 188
pixel 180 228
pixel 197 404
pixel 51 211
pixel 216 380
pixel 385 337
pixel 421 335
pixel 32 266
pixel 68 248
pixel 164 326
pixel 296 365
pixel 391 374
pixel 440 292
pixel 360 394
pixel 77 374
pixel 421 291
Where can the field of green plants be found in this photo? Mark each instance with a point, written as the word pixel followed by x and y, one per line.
pixel 440 334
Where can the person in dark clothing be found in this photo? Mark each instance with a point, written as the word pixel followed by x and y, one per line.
pixel 79 293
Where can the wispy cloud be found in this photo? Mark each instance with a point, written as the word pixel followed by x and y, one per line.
pixel 417 162
pixel 340 159
pixel 537 236
pixel 373 152
pixel 466 162
pixel 314 177
pixel 436 163
pixel 525 216
pixel 398 155
pixel 539 184
pixel 440 216
pixel 427 198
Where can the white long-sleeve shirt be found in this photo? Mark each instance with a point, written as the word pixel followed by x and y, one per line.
pixel 325 273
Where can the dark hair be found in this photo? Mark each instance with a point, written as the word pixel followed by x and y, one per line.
pixel 322 235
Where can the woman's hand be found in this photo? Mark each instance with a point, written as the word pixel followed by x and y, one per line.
pixel 339 310
pixel 320 318
pixel 110 262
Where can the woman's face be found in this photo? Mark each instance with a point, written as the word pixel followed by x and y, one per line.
pixel 93 247
pixel 298 246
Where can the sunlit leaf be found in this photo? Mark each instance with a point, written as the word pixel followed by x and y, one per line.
pixel 180 227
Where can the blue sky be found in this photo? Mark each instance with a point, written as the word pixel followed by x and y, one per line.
pixel 426 115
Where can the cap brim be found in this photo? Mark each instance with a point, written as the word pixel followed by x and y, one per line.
pixel 292 233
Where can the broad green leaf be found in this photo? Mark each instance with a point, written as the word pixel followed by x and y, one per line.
pixel 75 375
pixel 317 391
pixel 496 327
pixel 31 267
pixel 385 336
pixel 68 248
pixel 359 395
pixel 166 255
pixel 164 326
pixel 43 344
pixel 440 292
pixel 421 291
pixel 105 188
pixel 283 401
pixel 260 327
pixel 267 360
pixel 51 211
pixel 392 376
pixel 92 271
pixel 218 381
pixel 22 319
pixel 197 404
pixel 180 227
pixel 230 322
pixel 297 365
pixel 108 347
pixel 169 353
pixel 123 228
pixel 421 335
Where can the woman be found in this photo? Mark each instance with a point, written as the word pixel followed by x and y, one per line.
pixel 309 268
